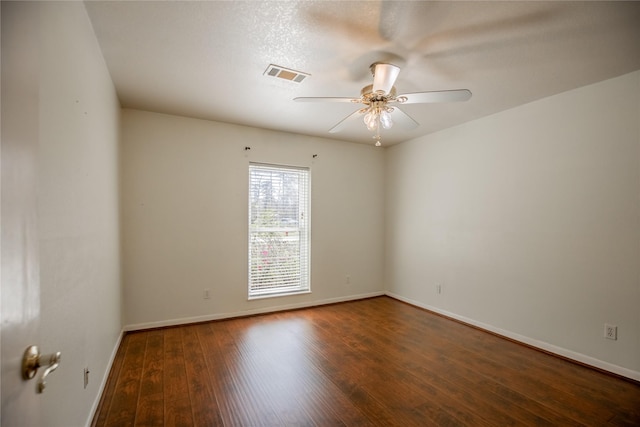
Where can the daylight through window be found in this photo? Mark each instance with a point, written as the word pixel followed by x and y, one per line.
pixel 278 230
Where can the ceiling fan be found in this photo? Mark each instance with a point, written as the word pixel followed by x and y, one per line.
pixel 381 101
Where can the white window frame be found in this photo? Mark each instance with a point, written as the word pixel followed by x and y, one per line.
pixel 279 232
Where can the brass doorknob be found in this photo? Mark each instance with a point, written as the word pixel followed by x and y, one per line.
pixel 32 360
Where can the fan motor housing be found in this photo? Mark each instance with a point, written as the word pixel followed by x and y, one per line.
pixel 368 94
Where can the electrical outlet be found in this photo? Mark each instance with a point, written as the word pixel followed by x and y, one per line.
pixel 438 289
pixel 86 377
pixel 610 332
pixel 347 279
pixel 206 294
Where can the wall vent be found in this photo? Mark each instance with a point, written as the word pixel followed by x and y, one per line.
pixel 285 73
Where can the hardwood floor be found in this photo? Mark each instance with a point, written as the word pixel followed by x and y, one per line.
pixel 375 362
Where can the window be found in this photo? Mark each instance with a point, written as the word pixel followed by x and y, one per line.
pixel 278 230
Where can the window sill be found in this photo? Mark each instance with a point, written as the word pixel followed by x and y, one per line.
pixel 278 294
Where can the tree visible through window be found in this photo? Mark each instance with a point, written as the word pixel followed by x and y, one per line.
pixel 278 230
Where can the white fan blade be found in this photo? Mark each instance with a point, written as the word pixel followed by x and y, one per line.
pixel 436 96
pixel 325 99
pixel 384 77
pixel 403 119
pixel 343 122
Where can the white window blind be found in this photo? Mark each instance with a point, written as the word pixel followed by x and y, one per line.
pixel 278 230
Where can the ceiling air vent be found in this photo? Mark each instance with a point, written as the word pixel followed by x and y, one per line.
pixel 285 73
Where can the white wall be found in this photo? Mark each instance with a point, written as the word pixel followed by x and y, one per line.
pixel 184 198
pixel 75 113
pixel 530 221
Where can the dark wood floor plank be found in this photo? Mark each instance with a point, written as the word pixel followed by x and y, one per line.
pixel 203 401
pixel 279 372
pixel 248 394
pixel 385 368
pixel 374 362
pixel 177 413
pixel 445 368
pixel 331 361
pixel 150 410
pixel 233 411
pixel 124 403
pixel 151 398
pixel 370 382
pixel 330 405
pixel 153 369
pixel 177 405
pixel 517 374
pixel 318 398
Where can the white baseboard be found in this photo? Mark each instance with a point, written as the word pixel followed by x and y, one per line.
pixel 219 316
pixel 569 354
pixel 105 378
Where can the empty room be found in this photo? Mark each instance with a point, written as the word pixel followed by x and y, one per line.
pixel 320 213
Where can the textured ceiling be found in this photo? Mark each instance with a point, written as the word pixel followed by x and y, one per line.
pixel 207 59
